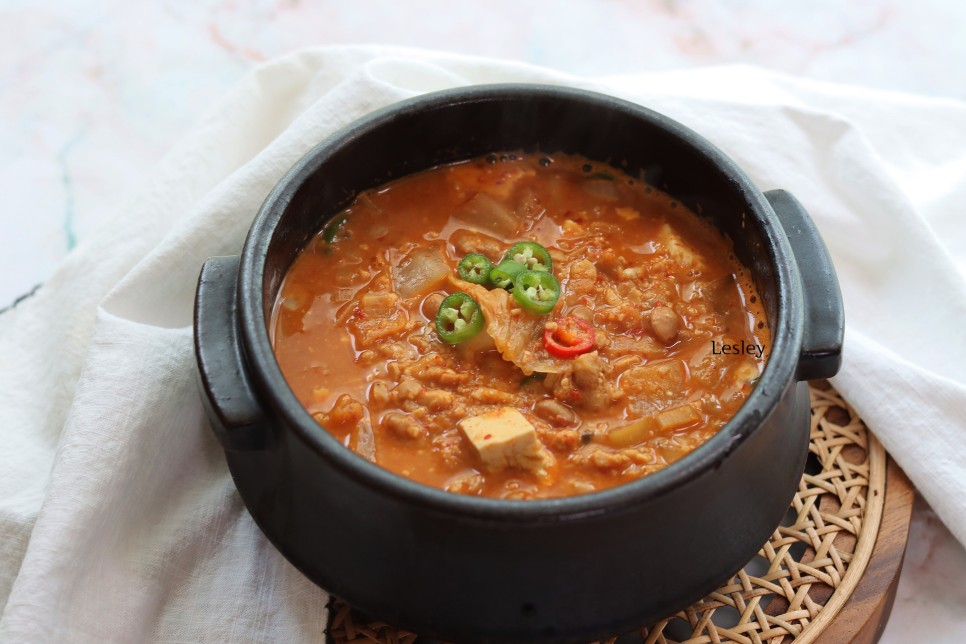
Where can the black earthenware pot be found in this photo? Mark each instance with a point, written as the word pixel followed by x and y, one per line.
pixel 476 569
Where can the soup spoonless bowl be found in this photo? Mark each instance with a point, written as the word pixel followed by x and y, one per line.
pixel 478 569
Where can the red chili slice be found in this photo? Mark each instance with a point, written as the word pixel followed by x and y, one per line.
pixel 569 337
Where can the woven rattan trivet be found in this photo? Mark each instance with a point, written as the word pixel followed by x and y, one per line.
pixel 802 577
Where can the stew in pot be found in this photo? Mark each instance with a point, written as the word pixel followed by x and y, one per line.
pixel 520 326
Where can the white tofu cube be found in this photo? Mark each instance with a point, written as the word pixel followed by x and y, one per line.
pixel 505 438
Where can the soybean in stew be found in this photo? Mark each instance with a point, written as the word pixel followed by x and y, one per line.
pixel 520 326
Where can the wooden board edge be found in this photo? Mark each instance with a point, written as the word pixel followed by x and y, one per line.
pixel 863 617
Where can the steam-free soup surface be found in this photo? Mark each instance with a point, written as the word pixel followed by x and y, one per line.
pixel 678 331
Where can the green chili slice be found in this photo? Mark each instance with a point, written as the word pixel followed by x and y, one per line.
pixel 332 229
pixel 475 269
pixel 532 255
pixel 459 318
pixel 536 291
pixel 503 275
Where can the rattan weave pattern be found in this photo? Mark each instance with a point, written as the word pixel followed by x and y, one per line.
pixel 800 578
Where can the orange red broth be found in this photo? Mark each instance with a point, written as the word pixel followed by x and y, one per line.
pixel 366 361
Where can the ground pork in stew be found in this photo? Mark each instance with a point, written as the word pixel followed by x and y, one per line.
pixel 677 336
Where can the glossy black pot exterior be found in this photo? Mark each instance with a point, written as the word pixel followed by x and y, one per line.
pixel 474 569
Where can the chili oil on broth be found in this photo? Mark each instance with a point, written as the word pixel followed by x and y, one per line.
pixel 354 336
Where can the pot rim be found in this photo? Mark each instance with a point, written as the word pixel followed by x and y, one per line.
pixel 779 372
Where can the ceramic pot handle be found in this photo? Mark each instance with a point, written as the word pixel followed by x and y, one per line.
pixel 821 354
pixel 233 409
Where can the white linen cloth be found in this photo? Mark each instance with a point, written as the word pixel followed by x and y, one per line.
pixel 118 519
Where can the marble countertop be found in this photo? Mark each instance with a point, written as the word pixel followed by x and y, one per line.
pixel 93 94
